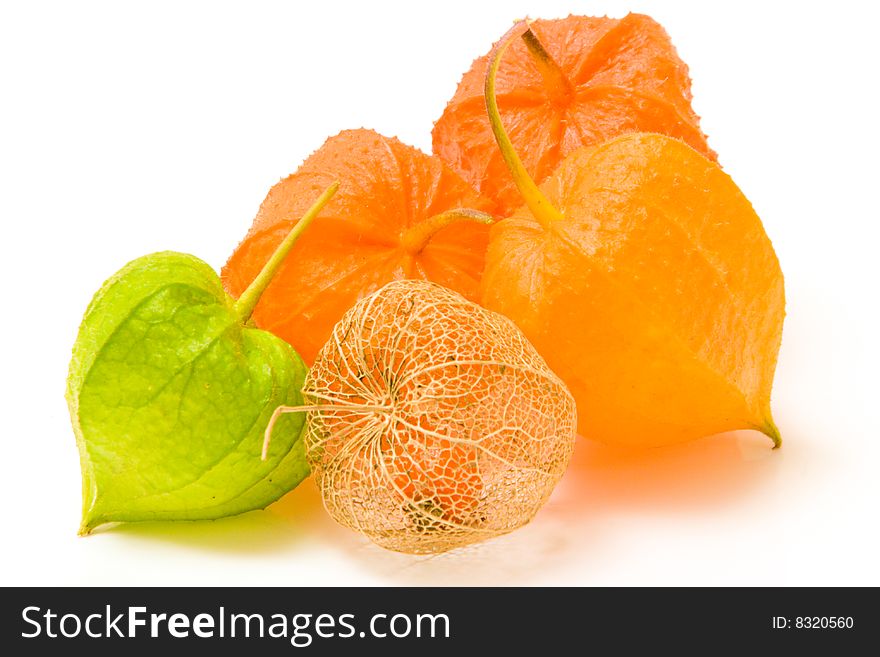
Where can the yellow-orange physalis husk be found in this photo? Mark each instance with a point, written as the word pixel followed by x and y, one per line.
pixel 434 422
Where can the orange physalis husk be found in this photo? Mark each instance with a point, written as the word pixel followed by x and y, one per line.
pixel 399 213
pixel 432 422
pixel 642 274
pixel 568 83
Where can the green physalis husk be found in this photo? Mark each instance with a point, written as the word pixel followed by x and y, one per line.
pixel 170 392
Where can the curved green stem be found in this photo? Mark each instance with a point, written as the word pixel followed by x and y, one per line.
pixel 541 208
pixel 417 237
pixel 251 296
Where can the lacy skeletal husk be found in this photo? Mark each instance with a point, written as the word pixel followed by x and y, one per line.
pixel 440 425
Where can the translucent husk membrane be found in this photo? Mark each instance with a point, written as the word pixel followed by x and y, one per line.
pixel 434 423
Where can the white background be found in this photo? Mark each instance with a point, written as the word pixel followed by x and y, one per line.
pixel 130 128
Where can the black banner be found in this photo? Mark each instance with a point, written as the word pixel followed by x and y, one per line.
pixel 434 621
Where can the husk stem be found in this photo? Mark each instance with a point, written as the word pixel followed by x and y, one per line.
pixel 308 408
pixel 534 198
pixel 416 238
pixel 554 79
pixel 249 299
